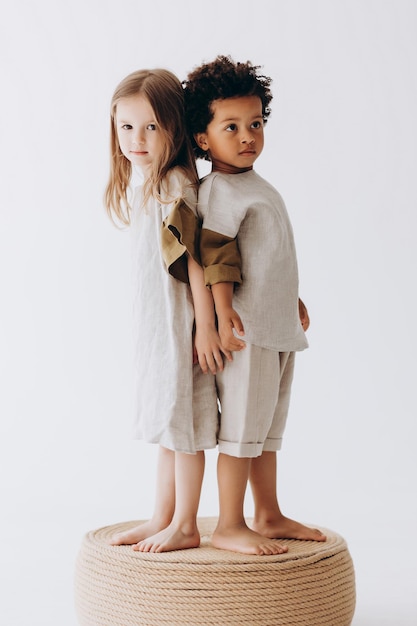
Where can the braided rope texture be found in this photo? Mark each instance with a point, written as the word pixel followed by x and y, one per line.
pixel 313 584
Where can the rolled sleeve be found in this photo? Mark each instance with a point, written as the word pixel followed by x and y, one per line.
pixel 220 257
pixel 179 236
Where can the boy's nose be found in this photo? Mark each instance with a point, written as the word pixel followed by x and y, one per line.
pixel 247 138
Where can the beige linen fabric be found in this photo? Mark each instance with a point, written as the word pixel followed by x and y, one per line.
pixel 255 388
pixel 254 392
pixel 247 207
pixel 175 404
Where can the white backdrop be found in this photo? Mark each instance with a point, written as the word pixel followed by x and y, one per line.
pixel 340 147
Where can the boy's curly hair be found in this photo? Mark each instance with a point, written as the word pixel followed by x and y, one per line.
pixel 222 78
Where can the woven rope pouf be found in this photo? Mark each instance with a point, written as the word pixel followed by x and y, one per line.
pixel 311 585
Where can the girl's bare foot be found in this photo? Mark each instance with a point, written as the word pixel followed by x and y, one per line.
pixel 174 537
pixel 138 533
pixel 284 528
pixel 243 539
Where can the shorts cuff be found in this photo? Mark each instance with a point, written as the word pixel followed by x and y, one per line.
pixel 272 445
pixel 241 450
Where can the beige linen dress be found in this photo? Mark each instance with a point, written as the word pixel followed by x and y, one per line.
pixel 175 404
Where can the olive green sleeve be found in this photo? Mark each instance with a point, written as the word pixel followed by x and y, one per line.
pixel 179 235
pixel 220 258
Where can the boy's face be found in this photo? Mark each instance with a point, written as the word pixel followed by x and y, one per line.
pixel 235 136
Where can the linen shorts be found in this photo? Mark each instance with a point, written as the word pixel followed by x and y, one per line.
pixel 254 393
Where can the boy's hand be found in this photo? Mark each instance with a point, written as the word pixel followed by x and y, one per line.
pixel 228 320
pixel 303 313
pixel 208 350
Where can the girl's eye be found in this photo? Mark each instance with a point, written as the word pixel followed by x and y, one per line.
pixel 151 127
pixel 256 124
pixel 231 127
pixel 127 126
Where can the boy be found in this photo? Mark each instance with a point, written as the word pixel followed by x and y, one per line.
pixel 249 260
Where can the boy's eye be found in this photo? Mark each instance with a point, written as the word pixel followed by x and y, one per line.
pixel 231 127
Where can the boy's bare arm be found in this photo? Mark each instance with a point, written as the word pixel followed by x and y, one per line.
pixel 207 341
pixel 227 318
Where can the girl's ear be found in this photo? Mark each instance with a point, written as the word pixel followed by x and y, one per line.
pixel 201 141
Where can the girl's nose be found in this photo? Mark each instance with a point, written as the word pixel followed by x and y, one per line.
pixel 137 139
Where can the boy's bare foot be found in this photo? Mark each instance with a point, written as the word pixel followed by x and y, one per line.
pixel 243 539
pixel 171 538
pixel 137 533
pixel 285 528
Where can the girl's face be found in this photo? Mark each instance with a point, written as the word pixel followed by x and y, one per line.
pixel 235 136
pixel 140 137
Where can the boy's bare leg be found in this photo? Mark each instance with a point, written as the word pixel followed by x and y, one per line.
pixel 232 532
pixel 164 503
pixel 182 531
pixel 268 519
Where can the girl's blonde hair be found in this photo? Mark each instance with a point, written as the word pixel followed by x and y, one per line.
pixel 165 94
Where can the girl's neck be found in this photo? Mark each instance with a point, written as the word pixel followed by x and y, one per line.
pixel 144 171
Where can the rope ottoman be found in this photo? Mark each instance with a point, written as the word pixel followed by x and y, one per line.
pixel 311 585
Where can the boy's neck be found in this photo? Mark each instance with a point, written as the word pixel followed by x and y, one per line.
pixel 230 169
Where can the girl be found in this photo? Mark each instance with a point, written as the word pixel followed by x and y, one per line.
pixel 176 403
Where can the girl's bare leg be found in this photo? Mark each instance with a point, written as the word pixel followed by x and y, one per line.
pixel 232 532
pixel 164 503
pixel 182 531
pixel 268 519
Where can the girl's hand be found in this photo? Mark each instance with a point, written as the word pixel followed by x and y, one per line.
pixel 228 321
pixel 208 350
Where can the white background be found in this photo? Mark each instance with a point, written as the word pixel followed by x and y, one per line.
pixel 340 147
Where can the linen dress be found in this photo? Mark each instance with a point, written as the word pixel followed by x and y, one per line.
pixel 175 404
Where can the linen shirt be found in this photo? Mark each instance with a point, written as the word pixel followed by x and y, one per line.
pixel 246 210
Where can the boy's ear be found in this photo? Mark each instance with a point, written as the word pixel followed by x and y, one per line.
pixel 201 140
